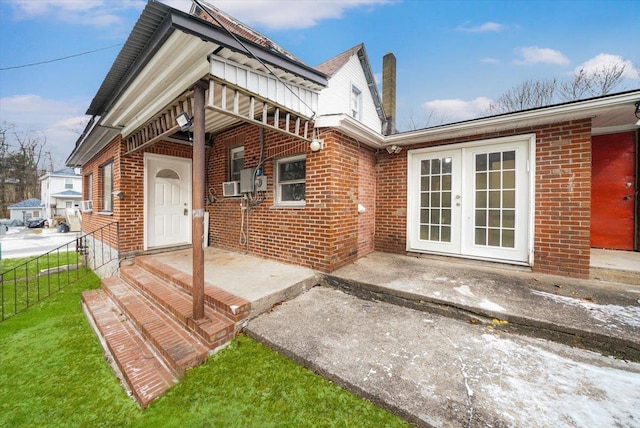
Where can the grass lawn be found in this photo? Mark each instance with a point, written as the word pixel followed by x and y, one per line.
pixel 52 373
pixel 23 283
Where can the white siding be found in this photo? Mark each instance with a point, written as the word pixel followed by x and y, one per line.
pixel 336 97
pixel 53 184
pixel 301 100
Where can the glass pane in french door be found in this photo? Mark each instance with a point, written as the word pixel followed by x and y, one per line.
pixel 495 199
pixel 435 199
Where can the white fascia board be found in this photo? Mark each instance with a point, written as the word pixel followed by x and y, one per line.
pixel 572 111
pixel 98 137
pixel 352 128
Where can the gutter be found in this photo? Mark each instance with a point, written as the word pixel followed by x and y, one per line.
pixel 567 111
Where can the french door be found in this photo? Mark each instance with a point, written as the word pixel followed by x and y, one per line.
pixel 471 201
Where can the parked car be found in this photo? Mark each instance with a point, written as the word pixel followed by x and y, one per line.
pixel 35 223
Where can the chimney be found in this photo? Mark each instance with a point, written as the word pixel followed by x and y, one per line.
pixel 389 92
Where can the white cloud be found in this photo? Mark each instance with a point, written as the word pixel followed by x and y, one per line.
pixel 286 14
pixel 454 110
pixel 60 122
pixel 536 55
pixel 603 61
pixel 79 12
pixel 488 60
pixel 487 27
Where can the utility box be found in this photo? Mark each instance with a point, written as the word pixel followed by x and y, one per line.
pixel 250 183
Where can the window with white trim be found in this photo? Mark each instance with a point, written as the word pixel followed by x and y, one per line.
pixel 236 162
pixel 68 184
pixel 107 187
pixel 290 181
pixel 356 102
pixel 89 187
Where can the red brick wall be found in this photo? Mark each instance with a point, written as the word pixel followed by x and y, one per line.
pixel 328 232
pixel 563 199
pixel 324 234
pixel 562 192
pixel 391 202
pixel 128 177
pixel 367 189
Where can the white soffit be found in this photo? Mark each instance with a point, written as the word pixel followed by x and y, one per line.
pixel 180 62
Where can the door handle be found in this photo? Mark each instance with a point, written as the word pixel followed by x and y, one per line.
pixel 186 211
pixel 627 197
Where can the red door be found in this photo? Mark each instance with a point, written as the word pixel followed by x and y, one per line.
pixel 613 190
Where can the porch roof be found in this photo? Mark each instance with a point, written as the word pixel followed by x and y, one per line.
pixel 173 50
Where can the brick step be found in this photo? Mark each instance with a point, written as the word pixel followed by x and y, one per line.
pixel 173 342
pixel 233 307
pixel 215 329
pixel 143 371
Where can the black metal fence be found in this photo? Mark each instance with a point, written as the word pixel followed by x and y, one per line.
pixel 27 283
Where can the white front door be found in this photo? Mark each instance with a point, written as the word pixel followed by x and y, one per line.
pixel 471 201
pixel 167 201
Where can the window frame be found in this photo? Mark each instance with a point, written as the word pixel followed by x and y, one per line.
pixel 89 187
pixel 68 184
pixel 235 175
pixel 107 188
pixel 355 107
pixel 278 183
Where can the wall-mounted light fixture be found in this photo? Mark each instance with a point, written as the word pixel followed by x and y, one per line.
pixel 184 121
pixel 637 113
pixel 118 194
pixel 316 145
pixel 393 149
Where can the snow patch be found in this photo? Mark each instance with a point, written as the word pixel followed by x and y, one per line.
pixel 599 395
pixel 609 314
pixel 464 290
pixel 490 306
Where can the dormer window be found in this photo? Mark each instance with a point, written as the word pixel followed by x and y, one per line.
pixel 356 102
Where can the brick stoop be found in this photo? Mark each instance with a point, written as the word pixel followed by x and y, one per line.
pixel 144 320
pixel 226 303
pixel 144 375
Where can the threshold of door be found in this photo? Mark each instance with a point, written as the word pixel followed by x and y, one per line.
pixel 473 261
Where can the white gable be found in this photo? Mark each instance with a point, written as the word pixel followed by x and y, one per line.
pixel 336 98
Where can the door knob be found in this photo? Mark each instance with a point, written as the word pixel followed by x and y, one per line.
pixel 626 198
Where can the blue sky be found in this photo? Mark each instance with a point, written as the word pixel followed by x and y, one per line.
pixel 453 57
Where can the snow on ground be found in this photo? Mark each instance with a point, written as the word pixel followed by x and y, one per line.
pixel 608 314
pixel 558 389
pixel 24 242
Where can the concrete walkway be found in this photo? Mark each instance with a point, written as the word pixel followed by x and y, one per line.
pixel 468 368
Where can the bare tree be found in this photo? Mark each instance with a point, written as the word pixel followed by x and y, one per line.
pixel 576 88
pixel 429 119
pixel 20 166
pixel 601 81
pixel 604 79
pixel 527 95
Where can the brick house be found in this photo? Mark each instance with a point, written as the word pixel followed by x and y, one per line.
pixel 303 165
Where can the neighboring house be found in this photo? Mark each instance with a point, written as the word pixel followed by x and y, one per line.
pixel 534 188
pixel 60 190
pixel 25 210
